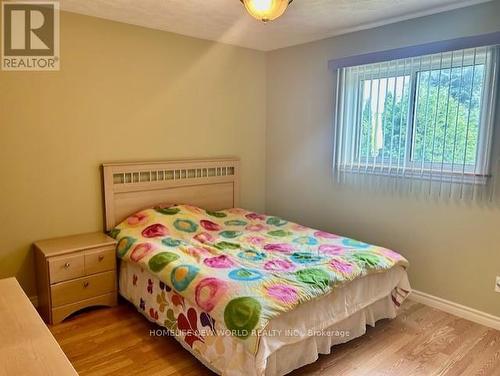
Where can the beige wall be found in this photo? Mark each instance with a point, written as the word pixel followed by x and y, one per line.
pixel 123 93
pixel 454 249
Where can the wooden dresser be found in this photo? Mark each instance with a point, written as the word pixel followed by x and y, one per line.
pixel 75 272
pixel 26 345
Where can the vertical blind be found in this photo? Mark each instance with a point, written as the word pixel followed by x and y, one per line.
pixel 422 124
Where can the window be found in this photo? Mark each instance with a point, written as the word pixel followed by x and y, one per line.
pixel 423 117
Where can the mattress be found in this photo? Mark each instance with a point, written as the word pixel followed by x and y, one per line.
pixel 238 287
pixel 291 340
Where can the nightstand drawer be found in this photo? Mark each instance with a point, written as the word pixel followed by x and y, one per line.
pixel 67 267
pixel 60 313
pixel 100 260
pixel 83 288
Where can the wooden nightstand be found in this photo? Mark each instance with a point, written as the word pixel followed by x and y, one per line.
pixel 75 272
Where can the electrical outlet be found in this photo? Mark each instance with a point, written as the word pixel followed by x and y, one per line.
pixel 497 285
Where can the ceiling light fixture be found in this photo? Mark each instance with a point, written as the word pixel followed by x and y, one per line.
pixel 266 10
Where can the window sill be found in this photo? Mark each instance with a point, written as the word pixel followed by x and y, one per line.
pixel 418 174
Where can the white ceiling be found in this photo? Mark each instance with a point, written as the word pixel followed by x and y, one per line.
pixel 226 21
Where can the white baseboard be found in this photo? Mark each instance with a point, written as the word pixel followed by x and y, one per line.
pixel 34 300
pixel 456 309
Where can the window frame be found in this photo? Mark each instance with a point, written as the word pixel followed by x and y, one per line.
pixel 411 70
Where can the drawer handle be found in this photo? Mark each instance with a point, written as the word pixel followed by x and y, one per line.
pixel 86 284
pixel 101 257
pixel 67 265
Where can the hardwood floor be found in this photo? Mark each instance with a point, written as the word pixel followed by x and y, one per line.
pixel 420 341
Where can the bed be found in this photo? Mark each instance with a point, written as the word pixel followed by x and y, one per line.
pixel 245 293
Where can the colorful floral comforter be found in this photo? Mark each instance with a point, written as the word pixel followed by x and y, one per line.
pixel 244 268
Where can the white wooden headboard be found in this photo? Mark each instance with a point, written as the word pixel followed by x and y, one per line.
pixel 130 187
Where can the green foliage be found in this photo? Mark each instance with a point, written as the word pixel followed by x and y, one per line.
pixel 446 117
pixel 394 121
